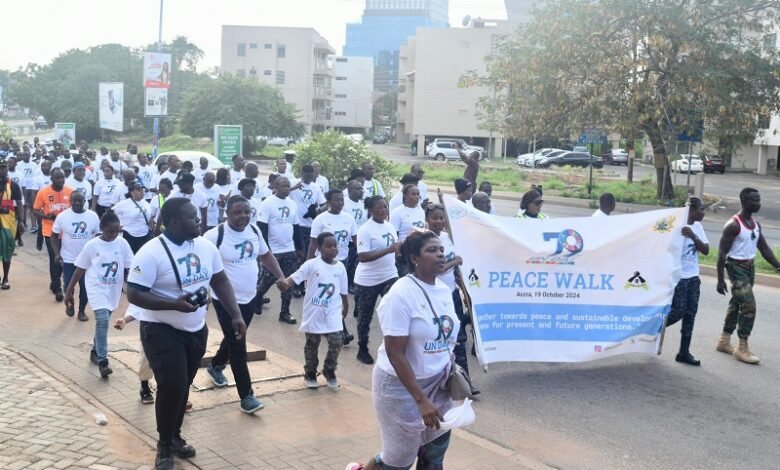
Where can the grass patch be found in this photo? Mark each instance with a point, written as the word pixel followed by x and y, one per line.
pixel 502 178
pixel 555 184
pixel 762 266
pixel 642 192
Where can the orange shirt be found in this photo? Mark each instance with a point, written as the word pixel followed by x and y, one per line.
pixel 50 201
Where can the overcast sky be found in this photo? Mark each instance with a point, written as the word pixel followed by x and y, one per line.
pixel 39 30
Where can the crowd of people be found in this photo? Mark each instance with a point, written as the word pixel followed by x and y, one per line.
pixel 186 239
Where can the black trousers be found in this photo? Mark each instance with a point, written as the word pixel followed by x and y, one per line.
pixel 288 262
pixel 233 350
pixel 174 356
pixel 459 351
pixel 352 262
pixel 136 242
pixel 100 210
pixel 365 300
pixel 55 270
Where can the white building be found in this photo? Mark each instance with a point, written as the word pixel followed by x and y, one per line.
pixel 430 102
pixel 353 94
pixel 294 60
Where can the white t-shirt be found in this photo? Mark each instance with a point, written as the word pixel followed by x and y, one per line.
pixel 280 215
pixel 423 191
pixel 256 207
pixel 398 199
pixel 120 193
pixel 170 175
pixel 105 264
pixel 342 225
pixel 599 213
pixel 689 266
pixel 133 216
pixel 323 183
pixel 305 196
pixel 119 166
pixel 373 187
pixel 28 172
pixel 196 262
pixel 84 187
pixel 75 231
pixel 357 210
pixel 322 303
pixel 199 173
pixel 263 190
pixel 41 181
pixel 146 175
pixel 236 176
pixel 406 219
pixel 448 277
pixel 155 205
pixel 239 252
pixel 197 197
pixel 212 200
pixel 372 237
pixel 105 190
pixel 404 311
pixel 58 163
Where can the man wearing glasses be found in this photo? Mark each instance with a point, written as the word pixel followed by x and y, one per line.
pixel 741 238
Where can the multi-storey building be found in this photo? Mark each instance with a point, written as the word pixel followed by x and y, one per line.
pixel 353 94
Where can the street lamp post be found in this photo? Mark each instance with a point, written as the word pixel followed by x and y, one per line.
pixel 157 119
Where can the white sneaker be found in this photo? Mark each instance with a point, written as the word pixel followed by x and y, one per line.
pixel 311 382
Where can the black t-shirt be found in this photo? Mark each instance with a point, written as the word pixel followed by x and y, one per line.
pixel 16 191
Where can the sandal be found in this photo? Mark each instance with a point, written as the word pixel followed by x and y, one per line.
pixel 5 285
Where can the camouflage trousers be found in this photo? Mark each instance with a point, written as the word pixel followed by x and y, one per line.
pixel 311 352
pixel 741 313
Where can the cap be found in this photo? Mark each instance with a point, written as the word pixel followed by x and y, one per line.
pixel 135 185
pixel 79 165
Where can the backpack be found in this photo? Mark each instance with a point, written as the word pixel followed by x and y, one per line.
pixel 221 233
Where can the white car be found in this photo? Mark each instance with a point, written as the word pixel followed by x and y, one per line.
pixel 681 164
pixel 357 138
pixel 467 148
pixel 527 159
pixel 616 157
pixel 192 156
pixel 279 141
pixel 443 150
pixel 542 155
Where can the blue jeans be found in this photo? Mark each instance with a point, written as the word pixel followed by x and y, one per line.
pixel 100 342
pixel 68 269
pixel 685 304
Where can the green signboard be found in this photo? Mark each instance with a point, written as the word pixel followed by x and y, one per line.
pixel 227 142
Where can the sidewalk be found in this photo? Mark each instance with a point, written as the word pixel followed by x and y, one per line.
pixel 53 392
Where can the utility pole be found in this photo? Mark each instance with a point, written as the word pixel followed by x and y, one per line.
pixel 157 119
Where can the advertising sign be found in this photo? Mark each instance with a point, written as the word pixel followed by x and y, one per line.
pixel 65 133
pixel 155 102
pixel 228 141
pixel 157 70
pixel 111 102
pixel 570 289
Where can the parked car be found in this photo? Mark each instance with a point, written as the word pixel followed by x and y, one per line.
pixel 279 141
pixel 536 161
pixel 380 138
pixel 464 145
pixel 581 149
pixel 40 123
pixel 522 159
pixel 191 156
pixel 681 164
pixel 713 163
pixel 357 138
pixel 581 159
pixel 615 157
pixel 443 150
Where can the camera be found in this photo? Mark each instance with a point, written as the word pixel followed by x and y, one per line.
pixel 199 298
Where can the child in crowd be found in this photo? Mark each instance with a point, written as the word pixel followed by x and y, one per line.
pixel 105 261
pixel 325 307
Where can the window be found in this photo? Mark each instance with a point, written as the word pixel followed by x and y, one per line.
pixel 253 45
pixel 770 42
pixel 341 79
pixel 342 59
pixel 340 113
pixel 267 72
pixel 268 46
pixel 253 72
pixel 340 95
pixel 280 77
pixel 281 51
pixel 241 73
pixel 241 49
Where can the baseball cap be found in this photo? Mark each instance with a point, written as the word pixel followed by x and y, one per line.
pixel 78 165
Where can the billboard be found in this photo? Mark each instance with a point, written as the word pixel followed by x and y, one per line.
pixel 65 133
pixel 227 142
pixel 155 102
pixel 157 70
pixel 111 106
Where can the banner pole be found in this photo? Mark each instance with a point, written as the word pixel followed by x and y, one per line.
pixel 467 303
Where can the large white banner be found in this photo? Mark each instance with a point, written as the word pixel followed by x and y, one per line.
pixel 111 101
pixel 571 289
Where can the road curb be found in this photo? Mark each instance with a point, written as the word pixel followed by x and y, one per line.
pixel 766 280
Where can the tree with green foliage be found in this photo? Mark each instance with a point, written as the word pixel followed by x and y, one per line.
pixel 339 155
pixel 260 108
pixel 655 67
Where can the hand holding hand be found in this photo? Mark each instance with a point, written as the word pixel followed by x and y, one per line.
pixel 120 324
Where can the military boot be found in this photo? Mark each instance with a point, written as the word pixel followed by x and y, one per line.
pixel 743 353
pixel 724 343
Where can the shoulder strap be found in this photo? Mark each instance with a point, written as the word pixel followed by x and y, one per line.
pixel 254 229
pixel 173 263
pixel 143 212
pixel 220 234
pixel 438 322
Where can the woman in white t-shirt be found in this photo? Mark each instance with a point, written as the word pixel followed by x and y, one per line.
pixel 419 326
pixel 325 305
pixel 135 216
pixel 104 261
pixel 377 247
pixel 406 217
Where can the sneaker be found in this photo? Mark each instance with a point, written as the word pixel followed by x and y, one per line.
pixel 364 356
pixel 20 242
pixel 39 244
pixel 181 449
pixel 93 357
pixel 347 338
pixel 82 316
pixel 330 377
pixel 266 300
pixel 217 376
pixel 58 296
pixel 188 406
pixel 105 371
pixel 354 466
pixel 146 396
pixel 164 459
pixel 250 404
pixel 287 318
pixel 34 229
pixel 311 381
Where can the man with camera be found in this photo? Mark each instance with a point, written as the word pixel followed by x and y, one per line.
pixel 169 281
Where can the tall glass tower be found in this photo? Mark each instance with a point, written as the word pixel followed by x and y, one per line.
pixel 385 25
